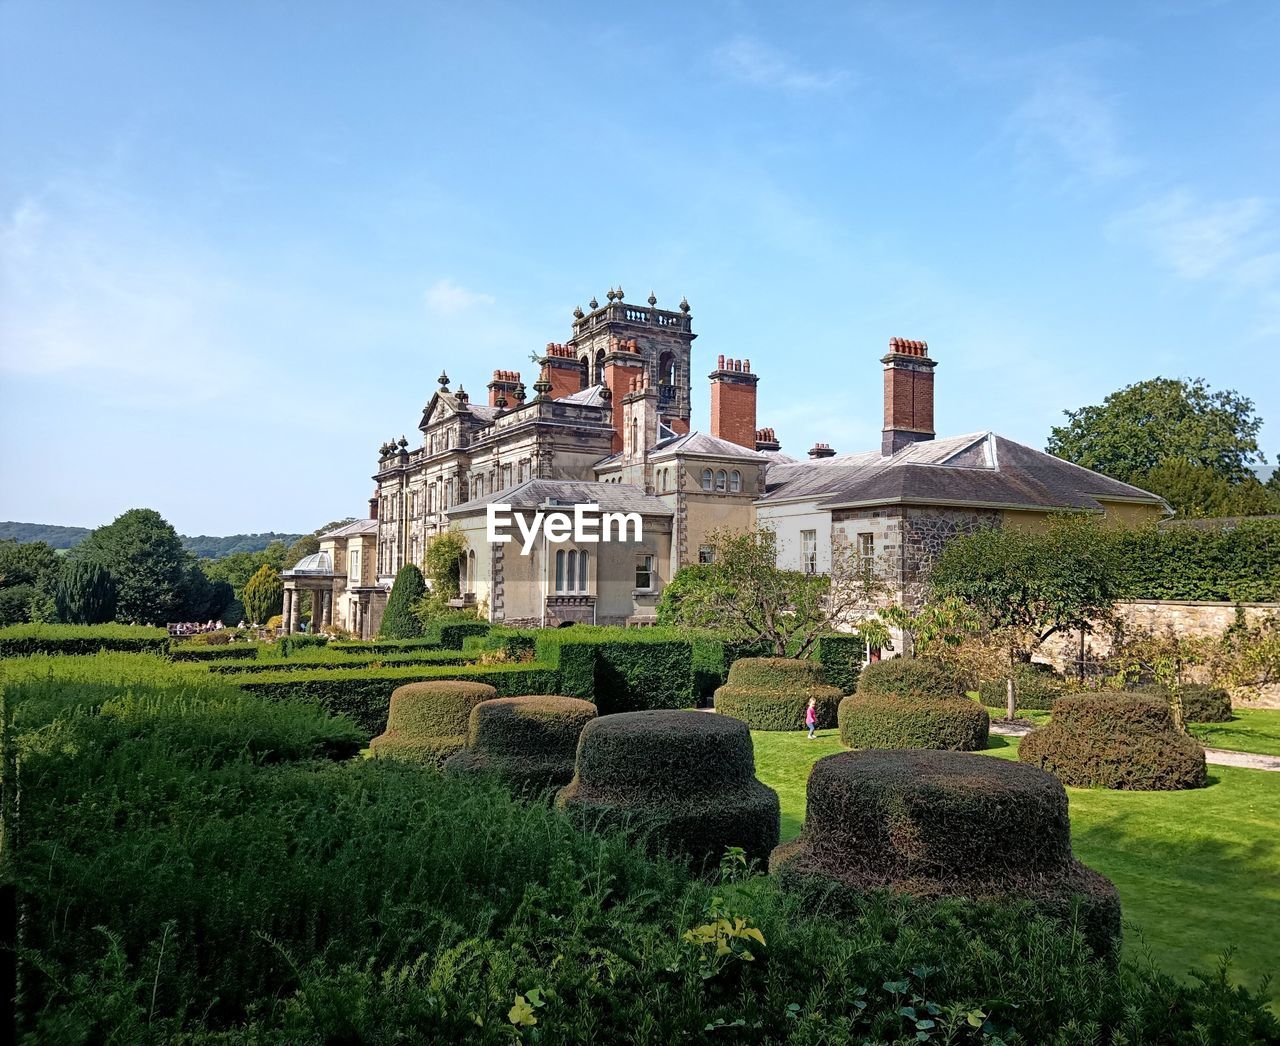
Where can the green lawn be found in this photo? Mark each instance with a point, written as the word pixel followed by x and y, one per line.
pixel 1197 871
pixel 1252 730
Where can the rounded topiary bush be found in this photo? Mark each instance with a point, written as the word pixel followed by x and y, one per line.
pixel 913 721
pixel 936 825
pixel 911 675
pixel 529 742
pixel 772 693
pixel 428 721
pixel 1037 687
pixel 1124 741
pixel 1201 703
pixel 685 780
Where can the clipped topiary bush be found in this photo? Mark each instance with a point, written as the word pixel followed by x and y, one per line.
pixel 1201 703
pixel 1037 686
pixel 528 742
pixel 913 721
pixel 936 825
pixel 771 693
pixel 428 721
pixel 911 675
pixel 684 779
pixel 1124 741
pixel 841 656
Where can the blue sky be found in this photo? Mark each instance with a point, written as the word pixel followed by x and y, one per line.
pixel 238 241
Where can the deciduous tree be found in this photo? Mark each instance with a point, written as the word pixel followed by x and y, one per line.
pixel 144 555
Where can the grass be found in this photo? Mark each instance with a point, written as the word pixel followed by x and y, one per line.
pixel 1197 871
pixel 1250 730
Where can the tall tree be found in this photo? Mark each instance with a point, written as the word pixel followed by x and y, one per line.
pixel 399 621
pixel 1143 426
pixel 1197 491
pixel 85 594
pixel 263 595
pixel 145 556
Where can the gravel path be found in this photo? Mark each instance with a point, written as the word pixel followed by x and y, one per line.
pixel 1217 756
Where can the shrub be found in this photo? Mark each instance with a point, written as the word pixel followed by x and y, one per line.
pixel 912 721
pixel 202 652
pixel 528 742
pixel 286 645
pixel 1123 741
pixel 620 670
pixel 452 633
pixel 944 824
pixel 1037 686
pixel 772 693
pixel 1236 563
pixel 428 721
pixel 841 656
pixel 911 675
pixel 85 594
pixel 398 620
pixel 1201 703
pixel 685 780
pixel 365 696
pixel 24 640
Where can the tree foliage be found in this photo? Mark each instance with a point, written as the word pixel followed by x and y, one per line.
pixel 263 595
pixel 144 555
pixel 1198 491
pixel 1143 426
pixel 85 594
pixel 1027 585
pixel 399 621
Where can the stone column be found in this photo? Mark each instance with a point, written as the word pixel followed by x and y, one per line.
pixel 295 611
pixel 328 607
pixel 357 626
pixel 286 616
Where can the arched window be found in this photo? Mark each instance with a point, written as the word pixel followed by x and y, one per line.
pixel 471 571
pixel 571 575
pixel 583 375
pixel 720 481
pixel 666 369
pixel 598 377
pixel 559 570
pixel 583 562
pixel 735 482
pixel 706 479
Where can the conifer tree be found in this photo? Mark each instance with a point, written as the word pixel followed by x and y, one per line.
pixel 85 594
pixel 263 595
pixel 399 621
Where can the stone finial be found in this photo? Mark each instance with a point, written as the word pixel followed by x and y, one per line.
pixel 684 305
pixel 520 393
pixel 619 292
pixel 653 298
pixel 462 395
pixel 610 295
pixel 500 401
pixel 402 443
pixel 577 312
pixel 593 304
pixel 541 387
pixel 444 381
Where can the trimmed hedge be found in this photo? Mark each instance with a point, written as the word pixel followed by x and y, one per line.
pixel 529 742
pixel 385 646
pixel 911 675
pixel 1201 703
pixel 425 657
pixel 934 825
pixel 685 780
pixel 841 656
pixel 772 693
pixel 428 721
pixel 286 645
pixel 620 670
pixel 1122 741
pixel 1037 687
pixel 913 721
pixel 451 635
pixel 366 696
pixel 1219 564
pixel 237 652
pixel 25 640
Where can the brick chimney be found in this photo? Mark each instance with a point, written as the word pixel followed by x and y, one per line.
pixel 560 366
pixel 373 506
pixel 504 385
pixel 767 440
pixel 733 402
pixel 623 364
pixel 908 395
pixel 821 450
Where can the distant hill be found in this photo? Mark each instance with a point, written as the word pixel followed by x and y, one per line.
pixel 202 545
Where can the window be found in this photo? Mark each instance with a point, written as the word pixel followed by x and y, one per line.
pixel 471 571
pixel 644 573
pixel 431 498
pixel 506 476
pixel 720 481
pixel 866 551
pixel 572 570
pixel 353 568
pixel 477 487
pixel 706 554
pixel 662 476
pixel 809 551
pixel 706 479
pixel 635 437
pixel 735 482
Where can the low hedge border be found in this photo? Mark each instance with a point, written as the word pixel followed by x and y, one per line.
pixel 772 693
pixel 386 646
pixel 426 657
pixel 25 640
pixel 366 697
pixel 913 721
pixel 236 652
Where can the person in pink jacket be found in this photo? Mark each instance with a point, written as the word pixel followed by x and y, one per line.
pixel 811 718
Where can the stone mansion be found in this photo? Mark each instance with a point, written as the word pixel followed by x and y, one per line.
pixel 608 427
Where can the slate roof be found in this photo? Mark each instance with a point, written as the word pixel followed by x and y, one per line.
pixel 590 396
pixel 535 493
pixel 360 526
pixel 703 444
pixel 979 468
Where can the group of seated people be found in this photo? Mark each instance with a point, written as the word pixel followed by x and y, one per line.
pixel 193 628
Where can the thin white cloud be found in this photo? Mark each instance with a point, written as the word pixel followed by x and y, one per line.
pixel 1069 118
pixel 446 298
pixel 750 61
